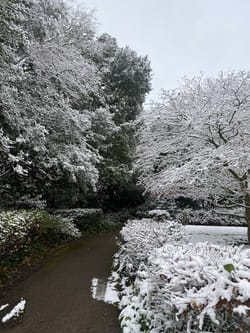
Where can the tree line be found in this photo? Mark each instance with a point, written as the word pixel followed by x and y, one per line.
pixel 68 101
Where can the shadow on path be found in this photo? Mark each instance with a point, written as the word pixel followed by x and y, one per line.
pixel 59 297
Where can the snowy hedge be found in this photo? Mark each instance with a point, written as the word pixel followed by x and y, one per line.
pixel 81 217
pixel 19 228
pixel 169 285
pixel 143 236
pixel 211 217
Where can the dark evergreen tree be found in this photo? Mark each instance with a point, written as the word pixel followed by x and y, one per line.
pixel 67 102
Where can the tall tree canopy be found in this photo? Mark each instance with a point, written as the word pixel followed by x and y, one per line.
pixel 67 101
pixel 196 142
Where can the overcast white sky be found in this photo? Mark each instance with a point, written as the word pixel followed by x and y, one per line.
pixel 181 37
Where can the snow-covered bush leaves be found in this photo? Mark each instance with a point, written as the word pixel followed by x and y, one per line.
pixel 166 284
pixel 18 228
pixel 195 282
pixel 143 236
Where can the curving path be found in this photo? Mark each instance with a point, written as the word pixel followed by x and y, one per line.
pixel 59 297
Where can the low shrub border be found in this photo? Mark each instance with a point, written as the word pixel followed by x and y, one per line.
pixel 28 236
pixel 167 285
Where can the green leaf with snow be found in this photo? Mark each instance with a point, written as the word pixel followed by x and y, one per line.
pixel 229 267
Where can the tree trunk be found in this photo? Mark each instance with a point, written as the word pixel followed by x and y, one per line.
pixel 247 213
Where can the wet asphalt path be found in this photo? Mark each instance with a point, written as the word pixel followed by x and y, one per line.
pixel 58 295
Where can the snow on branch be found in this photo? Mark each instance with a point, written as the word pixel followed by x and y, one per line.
pixel 194 141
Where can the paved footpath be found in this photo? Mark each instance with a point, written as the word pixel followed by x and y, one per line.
pixel 58 295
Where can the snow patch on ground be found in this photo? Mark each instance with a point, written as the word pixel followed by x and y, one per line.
pixel 104 291
pixel 15 312
pixel 2 307
pixel 111 294
pixel 219 235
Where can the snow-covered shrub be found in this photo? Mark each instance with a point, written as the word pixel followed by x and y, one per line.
pixel 27 202
pixel 198 287
pixel 67 227
pixel 56 224
pixel 77 213
pixel 82 217
pixel 19 228
pixel 143 236
pixel 159 214
pixel 167 285
pixel 14 230
pixel 210 217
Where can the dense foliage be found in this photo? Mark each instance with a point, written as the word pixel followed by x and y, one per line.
pixel 19 228
pixel 68 99
pixel 27 235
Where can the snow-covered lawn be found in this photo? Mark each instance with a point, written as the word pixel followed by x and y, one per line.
pixel 167 284
pixel 217 234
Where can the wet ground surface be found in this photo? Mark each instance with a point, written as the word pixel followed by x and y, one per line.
pixel 58 295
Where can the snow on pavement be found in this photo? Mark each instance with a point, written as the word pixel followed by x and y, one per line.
pixel 2 307
pixel 16 311
pixel 104 291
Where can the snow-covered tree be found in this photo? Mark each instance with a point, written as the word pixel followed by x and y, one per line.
pixel 196 142
pixel 58 115
pixel 46 96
